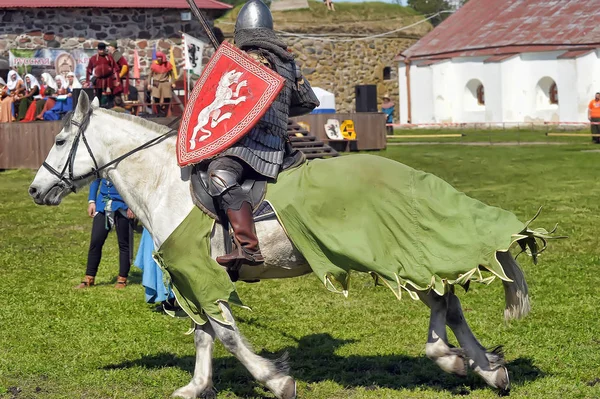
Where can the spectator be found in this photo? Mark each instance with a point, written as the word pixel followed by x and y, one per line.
pixel 49 93
pixel 122 82
pixel 73 82
pixel 388 108
pixel 32 89
pixel 6 103
pixel 594 117
pixel 119 106
pixel 108 210
pixel 162 83
pixel 329 4
pixel 103 68
pixel 64 101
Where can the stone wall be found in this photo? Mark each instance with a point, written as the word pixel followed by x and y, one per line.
pixel 83 28
pixel 341 65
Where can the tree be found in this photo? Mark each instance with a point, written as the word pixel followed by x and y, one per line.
pixel 430 7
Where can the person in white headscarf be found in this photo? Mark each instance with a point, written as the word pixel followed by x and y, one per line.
pixel 62 84
pixel 64 103
pixel 73 81
pixel 15 84
pixel 50 90
pixel 32 91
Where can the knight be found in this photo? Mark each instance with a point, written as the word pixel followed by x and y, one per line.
pixel 261 152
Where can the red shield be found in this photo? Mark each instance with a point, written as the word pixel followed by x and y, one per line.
pixel 232 94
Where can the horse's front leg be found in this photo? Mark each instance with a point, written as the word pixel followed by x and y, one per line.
pixel 489 365
pixel 273 375
pixel 451 360
pixel 201 385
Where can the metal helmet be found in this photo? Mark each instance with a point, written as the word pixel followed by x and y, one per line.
pixel 254 14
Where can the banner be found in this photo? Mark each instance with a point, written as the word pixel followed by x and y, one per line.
pixel 53 61
pixel 193 54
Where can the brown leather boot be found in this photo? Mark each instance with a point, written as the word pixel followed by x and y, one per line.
pixel 87 282
pixel 121 283
pixel 246 249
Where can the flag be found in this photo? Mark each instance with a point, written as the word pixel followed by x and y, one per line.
pixel 154 52
pixel 193 49
pixel 172 61
pixel 136 64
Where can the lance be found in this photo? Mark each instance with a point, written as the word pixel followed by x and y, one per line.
pixel 204 23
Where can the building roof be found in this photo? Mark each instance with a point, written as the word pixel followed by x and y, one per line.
pixel 497 27
pixel 182 4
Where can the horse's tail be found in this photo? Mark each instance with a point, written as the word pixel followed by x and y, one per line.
pixel 516 293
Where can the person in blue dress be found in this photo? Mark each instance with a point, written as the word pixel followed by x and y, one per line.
pixel 64 101
pixel 152 277
pixel 109 211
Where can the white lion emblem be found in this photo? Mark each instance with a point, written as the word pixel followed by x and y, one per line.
pixel 212 112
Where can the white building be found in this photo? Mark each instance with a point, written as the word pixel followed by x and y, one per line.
pixel 505 61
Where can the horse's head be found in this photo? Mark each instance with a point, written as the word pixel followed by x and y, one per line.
pixel 70 163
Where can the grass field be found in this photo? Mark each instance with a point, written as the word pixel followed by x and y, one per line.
pixel 100 343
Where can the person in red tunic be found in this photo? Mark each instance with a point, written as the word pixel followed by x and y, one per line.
pixel 122 85
pixel 104 71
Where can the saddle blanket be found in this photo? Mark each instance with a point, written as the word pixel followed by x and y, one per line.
pixel 409 229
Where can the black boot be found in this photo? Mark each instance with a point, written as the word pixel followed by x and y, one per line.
pixel 246 249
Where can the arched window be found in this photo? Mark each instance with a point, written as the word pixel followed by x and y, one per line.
pixel 387 73
pixel 546 94
pixel 474 97
pixel 480 95
pixel 553 94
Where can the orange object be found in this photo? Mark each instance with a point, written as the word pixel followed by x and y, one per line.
pixel 594 109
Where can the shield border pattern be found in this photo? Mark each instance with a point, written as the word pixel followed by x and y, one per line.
pixel 274 85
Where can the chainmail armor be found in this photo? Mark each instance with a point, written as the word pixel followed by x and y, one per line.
pixel 263 147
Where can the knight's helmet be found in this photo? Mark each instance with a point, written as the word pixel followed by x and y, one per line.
pixel 253 15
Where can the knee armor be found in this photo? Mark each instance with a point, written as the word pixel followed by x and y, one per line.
pixel 220 180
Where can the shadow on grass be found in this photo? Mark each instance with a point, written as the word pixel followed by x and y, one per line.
pixel 314 360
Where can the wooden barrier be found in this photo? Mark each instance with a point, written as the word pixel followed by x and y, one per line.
pixel 26 145
pixel 369 127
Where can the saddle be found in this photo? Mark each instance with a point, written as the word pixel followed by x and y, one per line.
pixel 203 200
pixel 256 187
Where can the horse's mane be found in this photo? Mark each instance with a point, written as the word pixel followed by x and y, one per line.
pixel 153 126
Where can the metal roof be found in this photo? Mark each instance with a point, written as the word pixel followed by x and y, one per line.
pixel 495 27
pixel 182 4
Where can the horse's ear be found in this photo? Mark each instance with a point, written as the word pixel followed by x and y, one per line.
pixel 95 103
pixel 83 104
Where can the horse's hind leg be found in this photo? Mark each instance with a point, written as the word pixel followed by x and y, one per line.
pixel 451 360
pixel 489 365
pixel 272 374
pixel 201 385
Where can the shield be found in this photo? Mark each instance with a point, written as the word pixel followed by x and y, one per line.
pixel 232 94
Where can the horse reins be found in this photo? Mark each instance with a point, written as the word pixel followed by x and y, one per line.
pixel 82 126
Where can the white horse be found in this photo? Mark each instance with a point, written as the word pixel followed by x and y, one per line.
pixel 151 182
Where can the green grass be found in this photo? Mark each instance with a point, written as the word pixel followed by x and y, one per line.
pixel 101 343
pixel 510 135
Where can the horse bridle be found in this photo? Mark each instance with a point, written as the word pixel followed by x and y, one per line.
pixel 69 182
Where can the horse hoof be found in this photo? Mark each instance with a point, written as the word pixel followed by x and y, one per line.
pixel 191 391
pixel 289 389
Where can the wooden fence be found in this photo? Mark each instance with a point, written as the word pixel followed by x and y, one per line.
pixel 26 145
